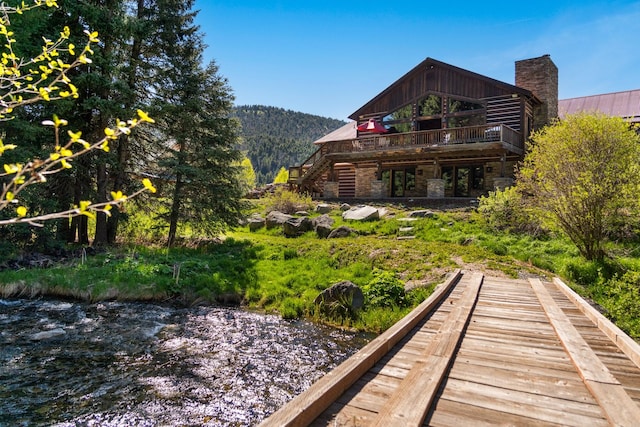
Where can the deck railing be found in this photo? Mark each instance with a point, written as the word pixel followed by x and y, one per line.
pixel 429 138
pixel 510 138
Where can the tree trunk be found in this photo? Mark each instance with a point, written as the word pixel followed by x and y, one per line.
pixel 101 218
pixel 175 211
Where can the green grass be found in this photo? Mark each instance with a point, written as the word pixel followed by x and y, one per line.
pixel 268 271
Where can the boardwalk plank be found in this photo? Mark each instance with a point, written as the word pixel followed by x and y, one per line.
pixel 513 365
pixel 619 408
pixel 448 413
pixel 523 404
pixel 411 404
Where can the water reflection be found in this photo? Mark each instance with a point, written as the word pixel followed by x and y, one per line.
pixel 123 364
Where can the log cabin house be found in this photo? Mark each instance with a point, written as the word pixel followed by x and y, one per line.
pixel 439 131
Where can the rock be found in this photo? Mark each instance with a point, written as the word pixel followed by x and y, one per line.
pixel 229 298
pixel 323 208
pixel 345 207
pixel 362 213
pixel 425 213
pixel 302 213
pixel 341 293
pixel 342 231
pixel 275 219
pixel 255 223
pixel 294 227
pixel 323 225
pixel 46 335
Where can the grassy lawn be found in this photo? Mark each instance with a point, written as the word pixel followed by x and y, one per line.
pixel 268 271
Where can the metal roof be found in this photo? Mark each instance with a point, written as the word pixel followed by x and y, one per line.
pixel 347 131
pixel 620 104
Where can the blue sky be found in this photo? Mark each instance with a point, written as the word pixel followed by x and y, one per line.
pixel 329 57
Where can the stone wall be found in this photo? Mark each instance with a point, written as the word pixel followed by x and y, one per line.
pixel 435 188
pixel 331 190
pixel 364 177
pixel 492 172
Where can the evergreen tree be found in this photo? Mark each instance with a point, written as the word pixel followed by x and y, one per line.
pixel 201 160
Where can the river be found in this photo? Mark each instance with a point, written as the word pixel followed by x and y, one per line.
pixel 66 363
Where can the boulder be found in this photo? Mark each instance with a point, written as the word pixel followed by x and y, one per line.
pixel 276 219
pixel 296 226
pixel 323 208
pixel 424 213
pixel 361 213
pixel 323 225
pixel 255 223
pixel 345 207
pixel 342 231
pixel 343 293
pixel 302 213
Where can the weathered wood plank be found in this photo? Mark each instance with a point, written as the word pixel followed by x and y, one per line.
pixel 305 407
pixel 448 413
pixel 411 403
pixel 622 340
pixel 523 404
pixel 619 408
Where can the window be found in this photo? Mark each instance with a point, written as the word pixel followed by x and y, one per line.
pixel 461 181
pixel 465 113
pixel 399 180
pixel 430 106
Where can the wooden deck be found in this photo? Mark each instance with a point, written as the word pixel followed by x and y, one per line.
pixel 483 351
pixel 473 141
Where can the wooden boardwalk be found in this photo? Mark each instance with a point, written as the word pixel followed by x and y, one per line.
pixel 483 351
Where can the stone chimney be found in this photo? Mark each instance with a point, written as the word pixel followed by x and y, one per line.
pixel 540 76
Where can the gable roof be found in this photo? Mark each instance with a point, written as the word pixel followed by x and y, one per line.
pixel 435 76
pixel 620 104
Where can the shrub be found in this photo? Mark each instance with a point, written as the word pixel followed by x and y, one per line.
pixel 384 290
pixel 621 298
pixel 505 210
pixel 288 202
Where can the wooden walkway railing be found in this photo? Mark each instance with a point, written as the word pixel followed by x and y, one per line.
pixel 483 351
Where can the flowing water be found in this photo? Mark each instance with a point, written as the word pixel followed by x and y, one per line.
pixel 137 364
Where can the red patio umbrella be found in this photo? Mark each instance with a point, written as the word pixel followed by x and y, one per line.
pixel 372 126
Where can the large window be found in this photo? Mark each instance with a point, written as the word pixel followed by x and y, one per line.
pixel 435 112
pixel 399 180
pixel 400 120
pixel 465 113
pixel 430 106
pixel 462 181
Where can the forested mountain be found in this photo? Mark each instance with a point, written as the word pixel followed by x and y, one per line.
pixel 274 137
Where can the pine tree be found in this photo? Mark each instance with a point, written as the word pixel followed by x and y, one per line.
pixel 201 159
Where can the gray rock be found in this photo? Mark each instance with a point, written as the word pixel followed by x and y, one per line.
pixel 342 231
pixel 362 213
pixel 276 219
pixel 302 213
pixel 255 223
pixel 345 207
pixel 425 213
pixel 296 226
pixel 323 208
pixel 323 225
pixel 46 335
pixel 343 293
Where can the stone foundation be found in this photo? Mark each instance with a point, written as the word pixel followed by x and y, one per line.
pixel 435 188
pixel 502 183
pixel 378 189
pixel 331 190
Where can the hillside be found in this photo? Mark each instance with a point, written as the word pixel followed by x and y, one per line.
pixel 274 137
